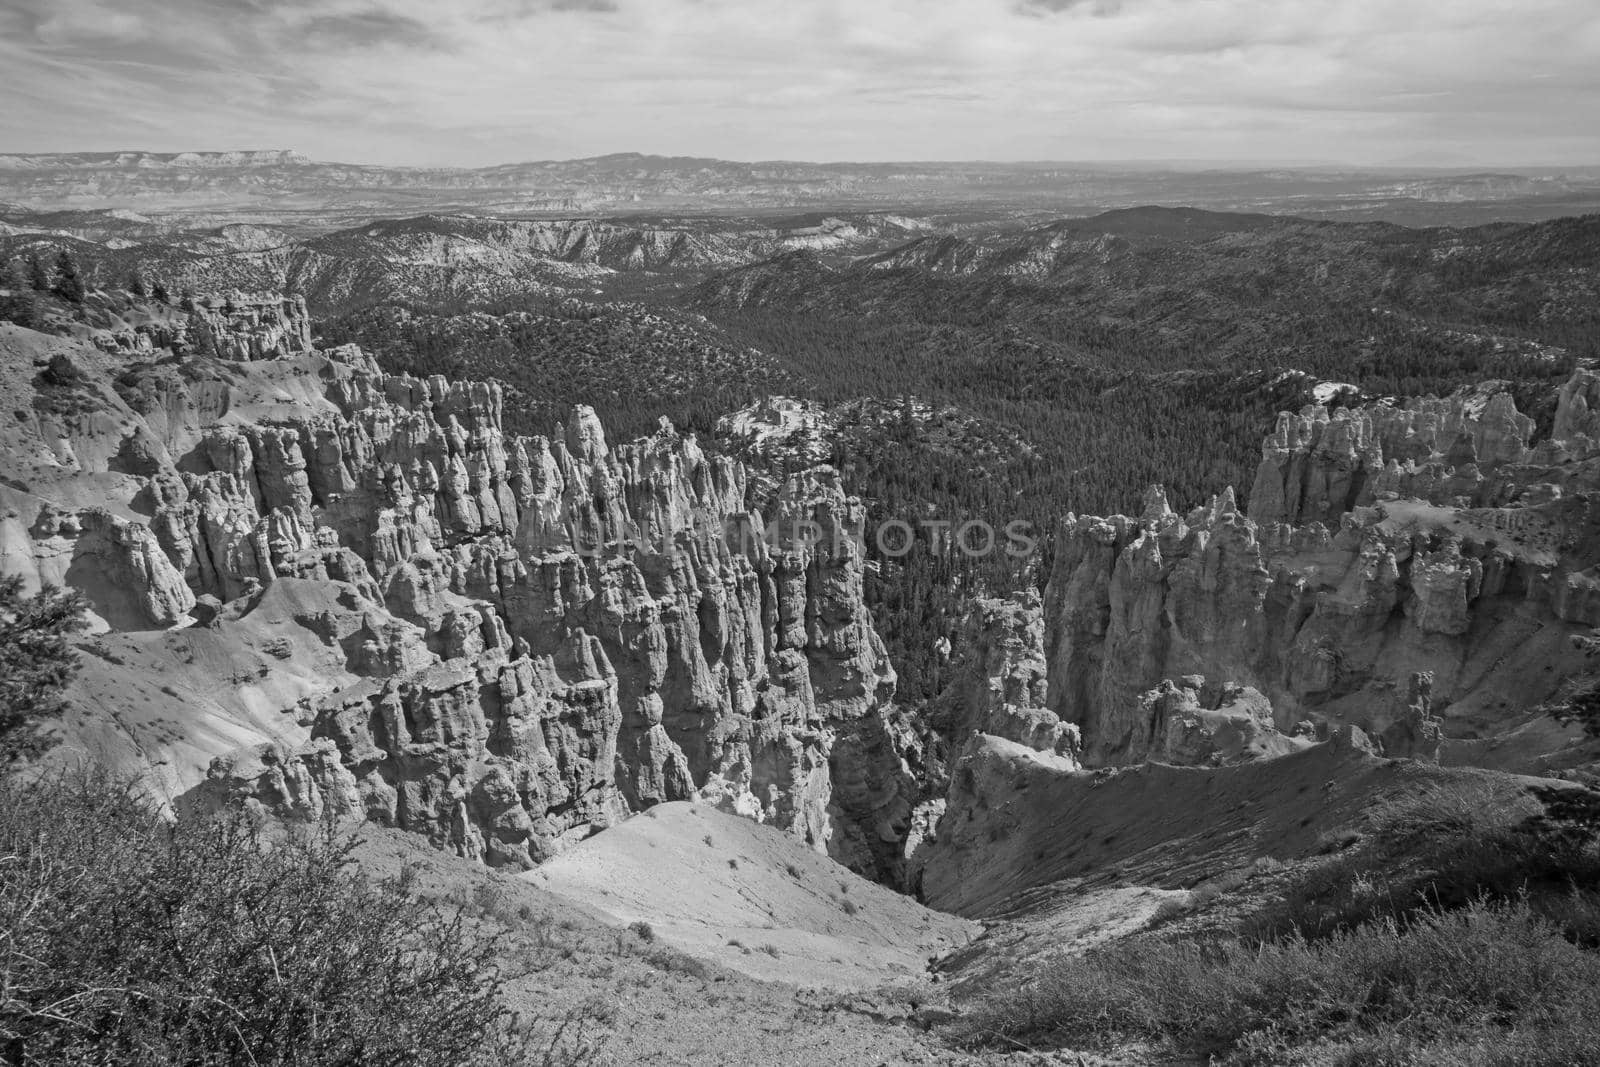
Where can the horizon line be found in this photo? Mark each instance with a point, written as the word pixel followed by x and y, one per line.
pixel 1220 163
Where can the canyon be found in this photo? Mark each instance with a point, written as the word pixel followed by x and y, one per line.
pixel 532 636
pixel 319 588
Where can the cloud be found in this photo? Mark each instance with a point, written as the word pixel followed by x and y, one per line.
pixel 370 29
pixel 1097 8
pixel 481 81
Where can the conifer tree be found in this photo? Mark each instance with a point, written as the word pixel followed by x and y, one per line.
pixel 38 277
pixel 36 661
pixel 19 305
pixel 68 284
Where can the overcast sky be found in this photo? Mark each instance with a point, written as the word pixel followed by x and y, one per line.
pixel 486 81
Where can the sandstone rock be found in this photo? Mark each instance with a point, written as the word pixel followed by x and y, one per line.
pixel 127 578
pixel 1317 465
pixel 308 783
pixel 999 685
pixel 1471 552
pixel 1205 725
pixel 1415 733
pixel 550 631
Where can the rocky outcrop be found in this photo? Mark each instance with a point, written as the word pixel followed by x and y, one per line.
pixel 549 632
pixel 1414 731
pixel 685 642
pixel 999 685
pixel 1318 465
pixel 892 772
pixel 233 326
pixel 1578 411
pixel 252 326
pixel 1199 724
pixel 122 571
pixel 1470 564
pixel 308 782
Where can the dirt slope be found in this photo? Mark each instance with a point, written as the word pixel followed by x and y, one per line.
pixel 1023 826
pixel 751 898
pixel 636 1001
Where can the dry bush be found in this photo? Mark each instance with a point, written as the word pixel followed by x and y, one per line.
pixel 1496 976
pixel 1445 847
pixel 125 940
pixel 1459 931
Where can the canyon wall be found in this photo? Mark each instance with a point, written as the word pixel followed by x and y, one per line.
pixel 1381 544
pixel 320 587
pixel 530 636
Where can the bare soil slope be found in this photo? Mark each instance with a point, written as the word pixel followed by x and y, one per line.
pixel 751 898
pixel 1058 861
pixel 591 983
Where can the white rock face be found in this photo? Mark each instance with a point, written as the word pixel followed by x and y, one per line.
pixel 1380 543
pixel 537 635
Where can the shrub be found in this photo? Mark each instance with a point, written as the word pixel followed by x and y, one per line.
pixel 1490 977
pixel 643 930
pixel 127 940
pixel 1455 932
pixel 1446 847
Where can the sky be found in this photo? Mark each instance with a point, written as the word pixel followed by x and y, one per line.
pixel 477 82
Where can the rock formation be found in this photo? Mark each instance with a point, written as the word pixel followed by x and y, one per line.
pixel 999 681
pixel 1380 543
pixel 400 611
pixel 547 632
pixel 235 326
pixel 1200 724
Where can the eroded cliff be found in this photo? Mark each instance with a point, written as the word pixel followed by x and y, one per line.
pixel 502 642
pixel 1381 544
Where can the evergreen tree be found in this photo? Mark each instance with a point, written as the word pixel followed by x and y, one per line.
pixel 19 305
pixel 68 285
pixel 136 285
pixel 159 291
pixel 36 661
pixel 38 277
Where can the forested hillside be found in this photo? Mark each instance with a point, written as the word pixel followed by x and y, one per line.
pixel 633 364
pixel 1144 346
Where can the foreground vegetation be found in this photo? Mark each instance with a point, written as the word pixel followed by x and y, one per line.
pixel 1489 984
pixel 1455 933
pixel 126 940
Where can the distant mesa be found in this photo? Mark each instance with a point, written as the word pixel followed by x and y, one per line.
pixel 150 160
